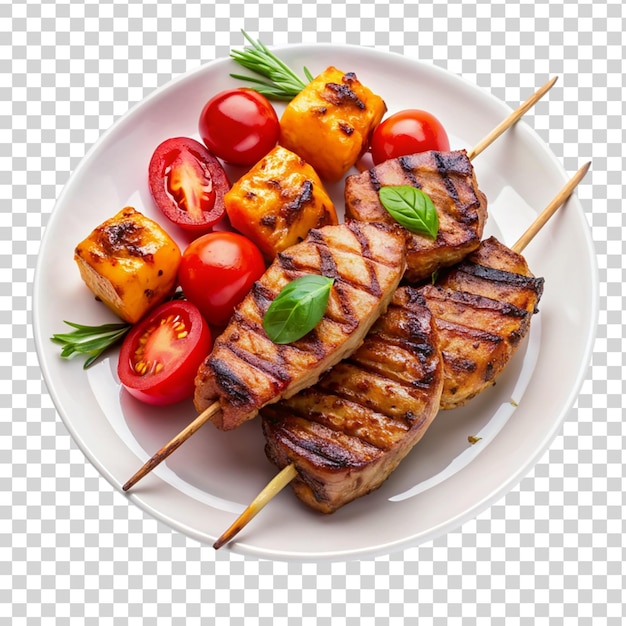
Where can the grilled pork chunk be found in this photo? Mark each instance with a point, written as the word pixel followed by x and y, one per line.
pixel 449 179
pixel 482 308
pixel 346 434
pixel 246 370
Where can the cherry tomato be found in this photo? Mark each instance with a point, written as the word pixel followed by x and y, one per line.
pixel 239 125
pixel 217 270
pixel 188 184
pixel 161 354
pixel 407 132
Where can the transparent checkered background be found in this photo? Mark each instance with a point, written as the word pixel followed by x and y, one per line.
pixel 73 551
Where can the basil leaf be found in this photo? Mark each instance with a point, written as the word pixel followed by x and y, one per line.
pixel 412 208
pixel 298 308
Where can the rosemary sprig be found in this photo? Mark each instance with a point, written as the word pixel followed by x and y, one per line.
pixel 283 83
pixel 90 341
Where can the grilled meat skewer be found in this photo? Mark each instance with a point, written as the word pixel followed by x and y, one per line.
pixel 347 433
pixel 482 309
pixel 246 370
pixel 449 180
pixel 519 290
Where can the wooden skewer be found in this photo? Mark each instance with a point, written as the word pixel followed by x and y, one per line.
pixel 289 472
pixel 208 413
pixel 549 211
pixel 498 130
pixel 279 482
pixel 172 445
pixel 509 121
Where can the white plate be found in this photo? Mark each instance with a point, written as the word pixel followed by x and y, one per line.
pixel 445 480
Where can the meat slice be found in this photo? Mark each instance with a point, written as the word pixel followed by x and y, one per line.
pixel 482 309
pixel 449 179
pixel 246 370
pixel 346 434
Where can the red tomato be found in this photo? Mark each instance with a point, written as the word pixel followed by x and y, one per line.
pixel 161 354
pixel 239 125
pixel 407 132
pixel 188 184
pixel 217 270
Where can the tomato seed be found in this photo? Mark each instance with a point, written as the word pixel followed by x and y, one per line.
pixel 143 366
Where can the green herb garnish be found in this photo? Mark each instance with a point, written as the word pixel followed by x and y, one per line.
pixel 298 308
pixel 90 341
pixel 412 208
pixel 283 83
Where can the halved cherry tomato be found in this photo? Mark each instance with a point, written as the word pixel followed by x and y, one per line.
pixel 239 125
pixel 161 354
pixel 217 270
pixel 407 132
pixel 188 184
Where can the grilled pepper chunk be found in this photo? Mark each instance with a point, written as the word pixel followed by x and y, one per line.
pixel 278 202
pixel 329 122
pixel 130 263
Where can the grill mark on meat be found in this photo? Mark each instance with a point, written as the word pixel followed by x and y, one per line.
pixel 455 162
pixel 294 431
pixel 239 394
pixel 291 266
pixel 347 309
pixel 375 288
pixel 361 238
pixel 502 276
pixel 262 297
pixel 481 302
pixel 328 267
pixel 341 401
pixel 407 167
pixel 274 369
pixel 423 383
pixel 443 168
pixel 310 343
pixel 457 363
pixel 476 333
pixel 374 181
pixel 285 261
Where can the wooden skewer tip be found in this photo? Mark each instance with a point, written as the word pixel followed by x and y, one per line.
pixel 511 119
pixel 279 482
pixel 558 201
pixel 172 445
